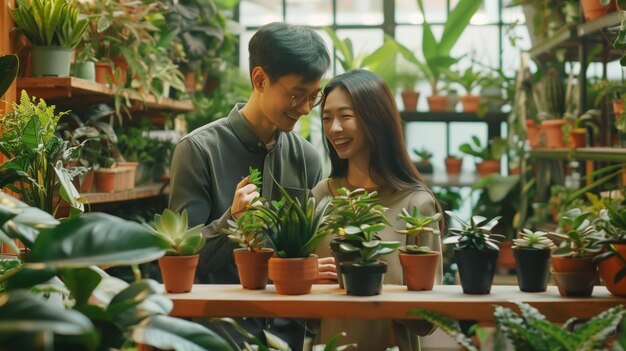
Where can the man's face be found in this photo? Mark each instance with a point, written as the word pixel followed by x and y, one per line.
pixel 288 99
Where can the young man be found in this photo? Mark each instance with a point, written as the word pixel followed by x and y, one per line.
pixel 210 165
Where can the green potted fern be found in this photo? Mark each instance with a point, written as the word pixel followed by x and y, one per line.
pixel 293 231
pixel 178 266
pixel 419 263
pixel 356 217
pixel 53 27
pixel 476 252
pixel 249 232
pixel 532 260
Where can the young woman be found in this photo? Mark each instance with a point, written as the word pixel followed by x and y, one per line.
pixel 364 138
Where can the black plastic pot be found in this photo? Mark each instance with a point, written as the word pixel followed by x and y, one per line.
pixel 533 269
pixel 363 280
pixel 476 269
pixel 341 257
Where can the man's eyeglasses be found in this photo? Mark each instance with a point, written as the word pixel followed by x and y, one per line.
pixel 296 101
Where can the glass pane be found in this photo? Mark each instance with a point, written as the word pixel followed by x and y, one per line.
pixel 481 42
pixel 364 42
pixel 363 12
pixel 512 14
pixel 487 13
pixel 462 132
pixel 244 39
pixel 428 135
pixel 406 11
pixel 436 10
pixel 511 53
pixel 310 13
pixel 255 13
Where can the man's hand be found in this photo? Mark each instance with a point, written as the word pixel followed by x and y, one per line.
pixel 327 271
pixel 245 192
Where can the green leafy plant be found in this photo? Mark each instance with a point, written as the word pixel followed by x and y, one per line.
pixel 255 177
pixel 533 240
pixel 249 231
pixel 49 22
pixel 436 54
pixel 424 154
pixel 493 151
pixel 588 119
pixel 474 235
pixel 174 228
pixel 581 238
pixel 531 330
pixel 57 289
pixel 293 226
pixel 468 79
pixel 613 222
pixel 416 224
pixel 36 157
pixel 9 65
pixel 356 216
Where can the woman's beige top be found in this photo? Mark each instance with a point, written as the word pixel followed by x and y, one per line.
pixel 379 334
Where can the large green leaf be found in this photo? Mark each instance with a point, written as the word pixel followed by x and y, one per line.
pixel 81 282
pixel 95 239
pixel 21 311
pixel 8 71
pixel 169 333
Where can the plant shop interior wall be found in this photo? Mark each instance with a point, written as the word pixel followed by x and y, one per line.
pixel 6 47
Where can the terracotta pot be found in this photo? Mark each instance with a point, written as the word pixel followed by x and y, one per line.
pixel 419 270
pixel 608 269
pixel 409 99
pixel 103 70
pixel 190 82
pixel 532 131
pixel 453 165
pixel 488 167
pixel 568 264
pixel 252 267
pixel 592 9
pixel 577 138
pixel 553 133
pixel 578 284
pixel 505 259
pixel 470 102
pixel 105 179
pixel 437 103
pixel 293 276
pixel 120 62
pixel 86 181
pixel 178 272
pixel 513 170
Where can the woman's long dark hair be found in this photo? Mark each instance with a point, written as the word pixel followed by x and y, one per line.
pixel 374 104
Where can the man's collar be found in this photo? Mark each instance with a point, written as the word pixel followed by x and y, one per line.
pixel 245 133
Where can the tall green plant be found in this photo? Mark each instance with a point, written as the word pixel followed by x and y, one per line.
pixel 50 22
pixel 436 54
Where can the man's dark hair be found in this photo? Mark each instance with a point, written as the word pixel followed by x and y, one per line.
pixel 282 49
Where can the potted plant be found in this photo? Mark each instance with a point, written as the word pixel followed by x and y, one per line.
pixel 178 268
pixel 476 251
pixel 103 312
pixel 54 30
pixel 490 154
pixel 249 232
pixel 356 216
pixel 453 164
pixel 575 127
pixel 612 261
pixel 572 262
pixel 419 263
pixel 532 260
pixel 468 79
pixel 293 231
pixel 423 165
pixel 36 157
pixel 407 78
pixel 437 53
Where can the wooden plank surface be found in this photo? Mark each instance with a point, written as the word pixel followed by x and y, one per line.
pixel 394 302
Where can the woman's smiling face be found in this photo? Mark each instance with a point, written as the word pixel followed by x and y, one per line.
pixel 342 127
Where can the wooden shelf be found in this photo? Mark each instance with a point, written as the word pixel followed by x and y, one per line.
pixel 452 117
pixel 608 154
pixel 568 38
pixel 393 303
pixel 140 192
pixel 77 94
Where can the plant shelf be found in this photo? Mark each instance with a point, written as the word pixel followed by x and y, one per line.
pixel 608 154
pixel 453 117
pixel 139 192
pixel 446 180
pixel 77 94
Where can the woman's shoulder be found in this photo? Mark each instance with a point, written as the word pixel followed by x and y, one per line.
pixel 322 189
pixel 414 197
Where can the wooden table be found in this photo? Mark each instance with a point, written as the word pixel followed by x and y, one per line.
pixel 393 303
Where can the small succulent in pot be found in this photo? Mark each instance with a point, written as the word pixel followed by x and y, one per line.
pixel 417 224
pixel 474 235
pixel 248 231
pixel 533 240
